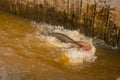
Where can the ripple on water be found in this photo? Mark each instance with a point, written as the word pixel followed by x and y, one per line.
pixel 7 51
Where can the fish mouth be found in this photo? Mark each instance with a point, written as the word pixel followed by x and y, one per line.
pixel 87 46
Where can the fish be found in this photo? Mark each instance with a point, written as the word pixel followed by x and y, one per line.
pixel 66 39
pixel 63 37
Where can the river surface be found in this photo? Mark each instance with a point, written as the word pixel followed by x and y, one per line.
pixel 28 52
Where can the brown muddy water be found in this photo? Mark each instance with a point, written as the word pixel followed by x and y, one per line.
pixel 27 54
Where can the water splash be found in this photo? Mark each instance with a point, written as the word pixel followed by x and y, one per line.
pixel 70 52
pixel 118 78
pixel 103 44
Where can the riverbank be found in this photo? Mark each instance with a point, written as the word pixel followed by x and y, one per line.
pixel 71 15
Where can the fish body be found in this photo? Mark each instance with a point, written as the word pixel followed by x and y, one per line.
pixel 66 39
pixel 63 37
